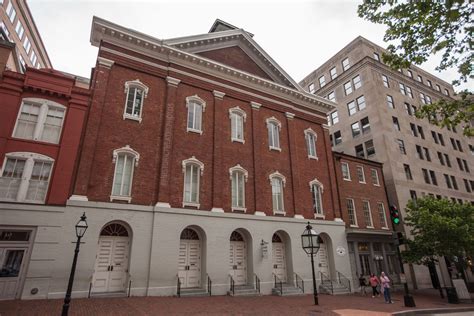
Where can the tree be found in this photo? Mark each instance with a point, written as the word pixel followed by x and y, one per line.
pixel 423 28
pixel 438 228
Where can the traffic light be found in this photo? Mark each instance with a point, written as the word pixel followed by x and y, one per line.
pixel 394 215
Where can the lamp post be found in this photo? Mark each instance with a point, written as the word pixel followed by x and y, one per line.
pixel 310 244
pixel 81 228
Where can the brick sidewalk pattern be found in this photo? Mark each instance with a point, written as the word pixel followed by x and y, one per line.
pixel 347 305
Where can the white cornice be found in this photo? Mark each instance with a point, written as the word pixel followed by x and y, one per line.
pixel 103 30
pixel 218 94
pixel 172 81
pixel 105 62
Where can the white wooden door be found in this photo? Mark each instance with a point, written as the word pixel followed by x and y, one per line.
pixel 323 260
pixel 11 271
pixel 189 263
pixel 238 262
pixel 111 266
pixel 279 260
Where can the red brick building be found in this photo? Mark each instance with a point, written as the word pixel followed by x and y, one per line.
pixel 365 210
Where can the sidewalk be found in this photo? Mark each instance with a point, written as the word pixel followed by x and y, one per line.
pixel 350 305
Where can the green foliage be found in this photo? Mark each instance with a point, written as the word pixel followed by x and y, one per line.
pixel 424 28
pixel 438 228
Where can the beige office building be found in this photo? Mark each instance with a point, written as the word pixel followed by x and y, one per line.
pixel 375 119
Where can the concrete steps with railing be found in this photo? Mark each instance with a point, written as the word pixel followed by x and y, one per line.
pixel 244 290
pixel 336 289
pixel 287 289
pixel 193 292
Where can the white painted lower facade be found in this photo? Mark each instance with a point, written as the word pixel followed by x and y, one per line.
pixel 153 254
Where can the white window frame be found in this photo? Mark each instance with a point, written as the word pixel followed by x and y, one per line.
pixel 135 156
pixel 27 45
pixel 19 30
pixel 311 139
pixel 311 88
pixel 344 65
pixel 348 178
pixel 30 159
pixel 322 82
pixel 275 124
pixel 354 214
pixel 316 182
pixel 11 12
pixel 377 184
pixel 238 168
pixel 44 105
pixel 191 100
pixel 361 168
pixel 282 179
pixel 382 215
pixel 331 74
pixel 137 84
pixel 237 111
pixel 200 165
pixel 364 211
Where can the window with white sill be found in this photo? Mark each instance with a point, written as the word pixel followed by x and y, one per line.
pixel 25 177
pixel 382 216
pixel 193 170
pixel 273 126
pixel 345 171
pixel 375 177
pixel 277 182
pixel 136 92
pixel 40 119
pixel 196 106
pixel 316 193
pixel 125 159
pixel 237 118
pixel 11 12
pixel 238 177
pixel 311 138
pixel 367 214
pixel 351 212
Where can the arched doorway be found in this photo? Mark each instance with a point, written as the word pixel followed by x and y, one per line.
pixel 238 258
pixel 189 259
pixel 279 257
pixel 111 265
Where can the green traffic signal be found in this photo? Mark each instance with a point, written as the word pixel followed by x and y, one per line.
pixel 394 215
pixel 396 221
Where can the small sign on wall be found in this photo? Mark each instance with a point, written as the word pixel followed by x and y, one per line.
pixel 264 248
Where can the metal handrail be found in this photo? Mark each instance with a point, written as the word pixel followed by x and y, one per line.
pixel 209 285
pixel 342 278
pixel 257 283
pixel 232 285
pixel 297 283
pixel 326 279
pixel 129 284
pixel 90 288
pixel 278 282
pixel 179 287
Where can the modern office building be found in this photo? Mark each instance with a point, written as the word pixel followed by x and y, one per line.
pixel 375 119
pixel 18 26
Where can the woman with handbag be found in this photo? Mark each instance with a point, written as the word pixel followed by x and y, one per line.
pixel 385 285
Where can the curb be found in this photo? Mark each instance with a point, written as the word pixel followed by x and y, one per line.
pixel 414 312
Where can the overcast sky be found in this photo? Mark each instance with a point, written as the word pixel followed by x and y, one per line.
pixel 299 35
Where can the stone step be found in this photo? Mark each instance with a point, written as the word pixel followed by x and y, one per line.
pixel 287 291
pixel 109 294
pixel 193 292
pixel 243 290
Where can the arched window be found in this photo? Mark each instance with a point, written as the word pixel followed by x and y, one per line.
pixel 189 234
pixel 125 159
pixel 192 169
pixel 40 119
pixel 25 177
pixel 196 106
pixel 114 229
pixel 238 177
pixel 311 138
pixel 237 118
pixel 277 181
pixel 136 92
pixel 273 126
pixel 317 188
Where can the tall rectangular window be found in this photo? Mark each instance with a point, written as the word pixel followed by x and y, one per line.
pixel 420 131
pixel 348 88
pixel 191 183
pixel 360 174
pixel 351 212
pixel 122 184
pixel 448 162
pixel 401 146
pixel 273 135
pixel 27 120
pixel 11 178
pixel 311 88
pixel 386 83
pixel 238 190
pixel 195 110
pixel 345 64
pixel 375 177
pixel 414 130
pixel 382 216
pixel 19 30
pixel 311 144
pixel 333 73
pixel 426 176
pixel 367 215
pixel 440 157
pixel 433 178
pixel 376 57
pixel 332 96
pixel 419 152
pixel 361 103
pixel 316 191
pixel 11 12
pixel 277 194
pixel 237 126
pixel 351 108
pixel 322 81
pixel 365 125
pixel 359 151
pixel 355 129
pixel 39 180
pixel 390 102
pixel 337 137
pixel 402 89
pixel 454 182
pixel 369 147
pixel 409 92
pixel 409 73
pixel 396 125
pixel 448 181
pixel 407 172
pixel 27 45
pixel 136 93
pixel 345 171
pixel 357 82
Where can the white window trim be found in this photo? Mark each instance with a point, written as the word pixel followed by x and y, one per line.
pixel 136 156
pixel 363 175
pixel 277 174
pixel 237 111
pixel 378 179
pixel 26 176
pixel 238 168
pixel 348 171
pixel 355 213
pixel 307 132
pixel 384 215
pixel 197 99
pixel 371 226
pixel 134 84
pixel 315 181
pixel 184 163
pixel 274 120
pixel 45 104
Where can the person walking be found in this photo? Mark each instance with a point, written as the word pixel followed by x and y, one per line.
pixel 385 285
pixel 362 284
pixel 374 282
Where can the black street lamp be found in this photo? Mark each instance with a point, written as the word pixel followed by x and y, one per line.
pixel 81 228
pixel 310 243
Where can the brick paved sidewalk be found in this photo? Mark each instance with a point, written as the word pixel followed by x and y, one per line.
pixel 350 305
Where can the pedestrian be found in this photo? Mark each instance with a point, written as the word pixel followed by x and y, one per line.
pixel 362 284
pixel 374 282
pixel 385 285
